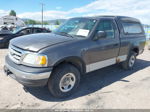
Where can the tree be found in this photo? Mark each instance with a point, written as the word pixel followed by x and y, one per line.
pixel 26 22
pixel 45 23
pixel 34 22
pixel 57 22
pixel 12 13
pixel 30 22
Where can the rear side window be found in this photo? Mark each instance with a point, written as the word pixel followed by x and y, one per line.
pixel 25 31
pixel 38 30
pixel 132 28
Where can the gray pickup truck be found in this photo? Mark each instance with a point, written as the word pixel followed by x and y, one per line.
pixel 79 46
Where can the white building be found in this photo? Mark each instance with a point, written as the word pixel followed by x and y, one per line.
pixel 11 21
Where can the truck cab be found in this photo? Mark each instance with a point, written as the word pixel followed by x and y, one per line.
pixel 79 46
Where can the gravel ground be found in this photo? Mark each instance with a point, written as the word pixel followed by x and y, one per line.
pixel 110 87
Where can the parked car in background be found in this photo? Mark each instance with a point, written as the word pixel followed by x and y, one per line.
pixel 79 46
pixel 5 37
pixel 4 31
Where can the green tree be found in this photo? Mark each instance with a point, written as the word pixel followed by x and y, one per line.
pixel 34 22
pixel 30 22
pixel 26 22
pixel 38 22
pixel 12 13
pixel 57 22
pixel 45 23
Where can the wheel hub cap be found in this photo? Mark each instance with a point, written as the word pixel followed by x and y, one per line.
pixel 67 82
pixel 132 61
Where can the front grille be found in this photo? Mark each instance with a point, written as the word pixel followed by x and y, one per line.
pixel 15 54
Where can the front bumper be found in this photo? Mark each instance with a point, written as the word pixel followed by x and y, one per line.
pixel 28 76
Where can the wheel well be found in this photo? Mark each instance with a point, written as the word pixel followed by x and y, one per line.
pixel 75 62
pixel 136 50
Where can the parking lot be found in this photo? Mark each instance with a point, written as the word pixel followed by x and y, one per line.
pixel 110 87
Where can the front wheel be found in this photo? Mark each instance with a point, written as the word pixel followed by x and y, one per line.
pixel 129 63
pixel 64 80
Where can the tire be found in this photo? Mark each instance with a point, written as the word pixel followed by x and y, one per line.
pixel 58 85
pixel 129 63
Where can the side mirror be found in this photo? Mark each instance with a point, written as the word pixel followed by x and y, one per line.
pixel 99 35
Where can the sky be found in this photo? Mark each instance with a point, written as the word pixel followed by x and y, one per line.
pixel 59 9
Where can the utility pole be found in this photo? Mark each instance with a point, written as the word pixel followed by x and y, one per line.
pixel 42 13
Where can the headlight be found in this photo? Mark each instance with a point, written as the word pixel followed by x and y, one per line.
pixel 36 60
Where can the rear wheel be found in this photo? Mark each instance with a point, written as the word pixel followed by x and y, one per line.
pixel 129 63
pixel 64 80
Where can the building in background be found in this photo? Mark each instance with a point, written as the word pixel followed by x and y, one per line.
pixel 11 21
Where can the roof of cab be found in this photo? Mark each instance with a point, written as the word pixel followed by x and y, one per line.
pixel 121 18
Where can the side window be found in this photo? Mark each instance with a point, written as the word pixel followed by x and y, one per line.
pixel 46 30
pixel 107 26
pixel 132 28
pixel 38 30
pixel 25 31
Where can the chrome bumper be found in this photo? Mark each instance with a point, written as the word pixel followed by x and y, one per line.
pixel 28 75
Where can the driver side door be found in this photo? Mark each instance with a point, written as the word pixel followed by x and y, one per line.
pixel 103 52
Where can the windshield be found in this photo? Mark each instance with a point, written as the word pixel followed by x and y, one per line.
pixel 17 30
pixel 80 27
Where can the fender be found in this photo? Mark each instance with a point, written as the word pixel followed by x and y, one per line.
pixel 75 60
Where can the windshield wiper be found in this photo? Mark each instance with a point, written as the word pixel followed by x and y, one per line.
pixel 65 34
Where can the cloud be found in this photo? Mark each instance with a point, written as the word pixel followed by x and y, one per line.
pixel 134 8
pixel 48 15
pixel 3 13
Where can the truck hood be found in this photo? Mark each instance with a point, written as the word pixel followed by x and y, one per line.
pixel 36 42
